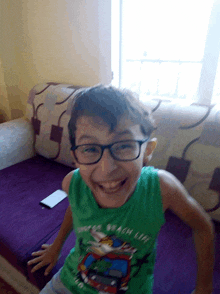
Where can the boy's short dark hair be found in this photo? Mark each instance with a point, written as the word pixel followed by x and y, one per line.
pixel 110 104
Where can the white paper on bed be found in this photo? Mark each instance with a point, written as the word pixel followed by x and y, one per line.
pixel 54 198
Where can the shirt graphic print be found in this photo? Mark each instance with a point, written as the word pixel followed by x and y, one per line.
pixel 107 264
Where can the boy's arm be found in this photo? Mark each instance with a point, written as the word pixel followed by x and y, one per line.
pixel 176 198
pixel 50 253
pixel 67 225
pixel 65 229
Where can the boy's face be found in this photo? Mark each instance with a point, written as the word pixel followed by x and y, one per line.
pixel 112 182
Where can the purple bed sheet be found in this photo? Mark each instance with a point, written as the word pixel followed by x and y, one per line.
pixel 24 223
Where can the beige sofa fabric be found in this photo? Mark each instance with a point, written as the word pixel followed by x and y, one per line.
pixel 16 142
pixel 49 108
pixel 189 147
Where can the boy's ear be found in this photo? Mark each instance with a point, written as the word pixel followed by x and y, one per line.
pixel 151 145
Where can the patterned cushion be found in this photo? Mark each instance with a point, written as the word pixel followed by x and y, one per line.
pixel 189 147
pixel 49 108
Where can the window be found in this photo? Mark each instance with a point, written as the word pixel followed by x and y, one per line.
pixel 167 49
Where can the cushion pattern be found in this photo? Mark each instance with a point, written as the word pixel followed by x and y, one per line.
pixel 189 147
pixel 49 109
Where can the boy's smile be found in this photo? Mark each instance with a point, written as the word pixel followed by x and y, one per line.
pixel 112 182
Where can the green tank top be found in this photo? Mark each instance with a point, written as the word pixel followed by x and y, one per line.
pixel 115 248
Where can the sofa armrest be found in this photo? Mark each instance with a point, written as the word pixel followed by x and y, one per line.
pixel 16 142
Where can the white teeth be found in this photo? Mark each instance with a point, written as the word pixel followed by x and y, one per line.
pixel 110 185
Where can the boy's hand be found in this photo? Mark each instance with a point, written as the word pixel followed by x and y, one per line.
pixel 49 255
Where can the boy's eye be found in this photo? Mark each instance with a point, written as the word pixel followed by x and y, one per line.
pixel 89 149
pixel 122 147
pixel 125 146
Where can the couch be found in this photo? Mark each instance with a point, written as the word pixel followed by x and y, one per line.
pixel 35 157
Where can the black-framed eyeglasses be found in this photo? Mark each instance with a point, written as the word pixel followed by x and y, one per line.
pixel 127 150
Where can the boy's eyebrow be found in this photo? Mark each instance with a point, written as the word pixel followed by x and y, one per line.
pixel 86 137
pixel 125 132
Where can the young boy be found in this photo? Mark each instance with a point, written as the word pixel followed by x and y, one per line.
pixel 117 203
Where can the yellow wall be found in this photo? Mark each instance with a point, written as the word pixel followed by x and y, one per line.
pixel 65 41
pixel 5 111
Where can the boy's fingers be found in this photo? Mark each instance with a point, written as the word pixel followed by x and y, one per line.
pixel 48 269
pixel 45 246
pixel 35 260
pixel 40 252
pixel 38 266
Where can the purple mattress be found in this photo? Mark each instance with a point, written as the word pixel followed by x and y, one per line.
pixel 175 268
pixel 24 224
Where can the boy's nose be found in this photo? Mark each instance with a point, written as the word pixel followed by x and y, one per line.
pixel 107 162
